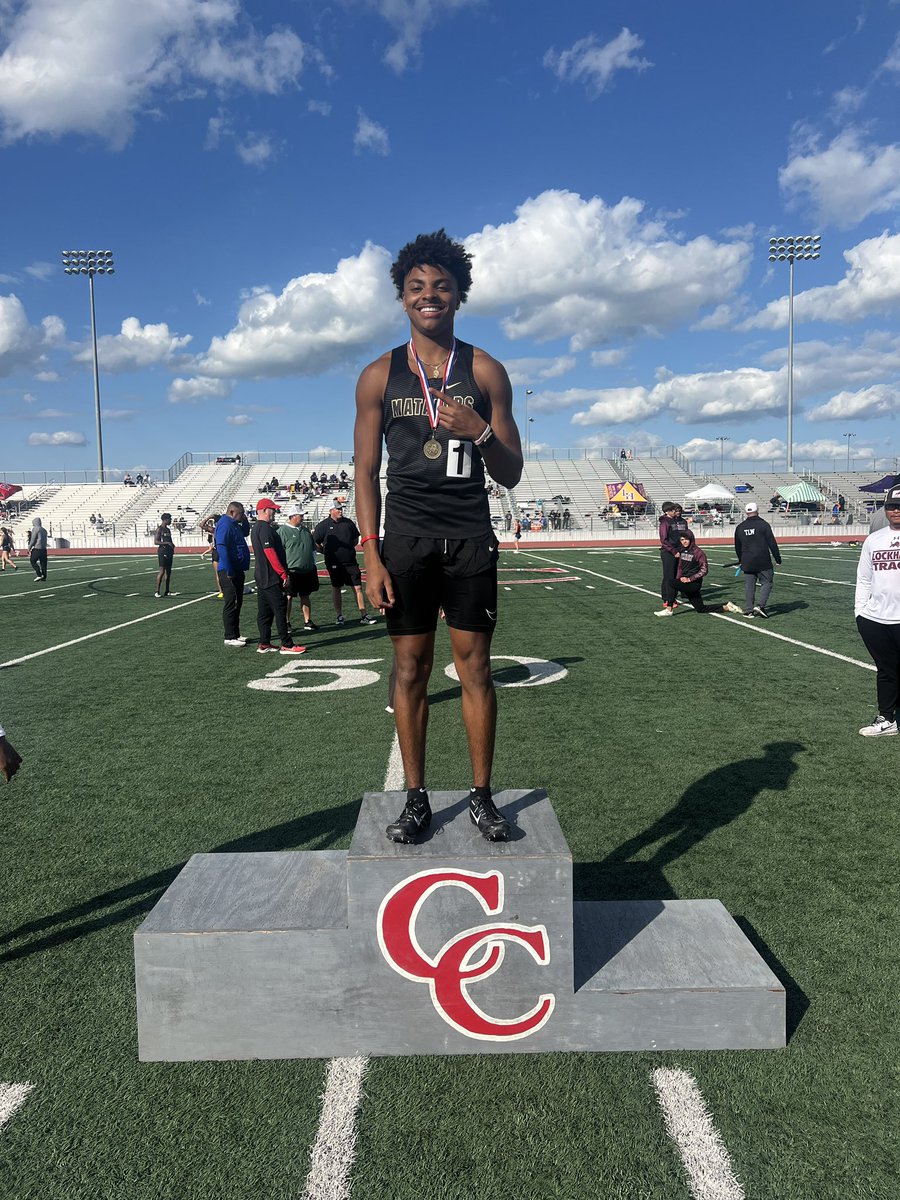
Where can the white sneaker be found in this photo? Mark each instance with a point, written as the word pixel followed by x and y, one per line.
pixel 665 612
pixel 880 727
pixel 730 607
pixel 239 642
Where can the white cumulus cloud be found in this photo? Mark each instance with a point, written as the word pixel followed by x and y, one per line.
pixel 190 391
pixel 317 322
pixel 370 135
pixel 135 347
pixel 596 273
pixel 880 400
pixel 23 345
pixel 239 419
pixel 90 67
pixel 846 181
pixel 410 19
pixel 530 371
pixel 870 285
pixel 594 63
pixel 62 438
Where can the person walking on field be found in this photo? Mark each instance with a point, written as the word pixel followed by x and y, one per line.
pixel 7 549
pixel 671 524
pixel 165 554
pixel 444 410
pixel 300 555
pixel 755 547
pixel 37 546
pixel 337 538
pixel 877 611
pixel 272 581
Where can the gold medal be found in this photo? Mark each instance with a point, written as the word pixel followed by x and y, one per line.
pixel 432 448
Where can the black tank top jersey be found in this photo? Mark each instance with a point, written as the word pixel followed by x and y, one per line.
pixel 444 497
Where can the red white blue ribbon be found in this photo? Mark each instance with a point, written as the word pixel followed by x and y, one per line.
pixel 431 403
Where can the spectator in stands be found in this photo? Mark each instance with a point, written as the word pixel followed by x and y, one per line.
pixel 165 554
pixel 273 484
pixel 233 560
pixel 300 555
pixel 7 549
pixel 127 480
pixel 272 581
pixel 139 480
pixel 37 546
pixel 517 533
pixel 313 478
pixel 336 539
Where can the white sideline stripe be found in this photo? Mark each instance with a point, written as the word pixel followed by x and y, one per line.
pixel 742 623
pixel 334 1150
pixel 12 1097
pixel 689 1125
pixel 14 662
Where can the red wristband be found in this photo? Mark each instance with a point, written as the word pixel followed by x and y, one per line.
pixel 370 537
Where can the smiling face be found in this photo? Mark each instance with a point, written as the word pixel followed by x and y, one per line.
pixel 430 299
pixel 893 516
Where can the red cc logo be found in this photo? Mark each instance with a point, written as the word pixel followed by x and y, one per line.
pixel 451 971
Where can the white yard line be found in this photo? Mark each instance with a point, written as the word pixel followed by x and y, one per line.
pixel 689 1125
pixel 334 1150
pixel 751 627
pixel 85 583
pixel 14 662
pixel 12 1097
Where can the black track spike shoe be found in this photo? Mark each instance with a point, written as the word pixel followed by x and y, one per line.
pixel 414 820
pixel 484 814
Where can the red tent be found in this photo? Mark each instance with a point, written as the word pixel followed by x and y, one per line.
pixel 8 489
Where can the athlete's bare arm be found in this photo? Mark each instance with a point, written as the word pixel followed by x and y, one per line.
pixel 366 486
pixel 503 454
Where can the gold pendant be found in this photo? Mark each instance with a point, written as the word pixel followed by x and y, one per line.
pixel 436 372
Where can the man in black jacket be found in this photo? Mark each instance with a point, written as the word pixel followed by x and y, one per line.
pixel 755 547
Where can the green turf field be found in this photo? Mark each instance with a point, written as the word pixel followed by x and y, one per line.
pixel 689 757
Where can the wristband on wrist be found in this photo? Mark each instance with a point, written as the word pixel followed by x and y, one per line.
pixel 370 537
pixel 487 436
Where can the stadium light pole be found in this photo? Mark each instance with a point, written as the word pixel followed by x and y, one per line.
pixel 789 249
pixel 848 436
pixel 528 392
pixel 91 263
pixel 722 440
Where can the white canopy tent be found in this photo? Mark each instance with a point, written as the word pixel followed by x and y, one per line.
pixel 710 491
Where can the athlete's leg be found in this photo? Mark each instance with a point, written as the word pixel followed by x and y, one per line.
pixel 360 600
pixel 413 660
pixel 338 602
pixel 472 657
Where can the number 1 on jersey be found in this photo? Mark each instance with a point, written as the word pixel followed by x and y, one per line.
pixel 459 459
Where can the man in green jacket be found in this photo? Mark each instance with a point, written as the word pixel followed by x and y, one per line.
pixel 300 552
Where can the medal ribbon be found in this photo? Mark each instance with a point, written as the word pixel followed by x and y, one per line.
pixel 431 404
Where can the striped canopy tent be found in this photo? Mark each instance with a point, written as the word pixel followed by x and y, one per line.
pixel 802 493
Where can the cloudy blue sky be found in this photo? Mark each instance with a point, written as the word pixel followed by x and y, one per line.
pixel 616 169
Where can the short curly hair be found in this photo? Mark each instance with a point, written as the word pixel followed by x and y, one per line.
pixel 435 250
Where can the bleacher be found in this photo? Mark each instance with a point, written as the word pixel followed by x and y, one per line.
pixel 131 514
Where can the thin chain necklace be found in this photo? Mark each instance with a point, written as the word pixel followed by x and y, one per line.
pixel 434 368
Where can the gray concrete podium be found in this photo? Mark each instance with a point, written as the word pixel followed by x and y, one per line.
pixel 455 945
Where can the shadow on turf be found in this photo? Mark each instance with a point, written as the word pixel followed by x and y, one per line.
pixel 315 831
pixel 712 801
pixel 797 1001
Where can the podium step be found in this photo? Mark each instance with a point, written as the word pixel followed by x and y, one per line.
pixel 452 946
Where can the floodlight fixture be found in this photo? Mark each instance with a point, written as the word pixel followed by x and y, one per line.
pixel 799 248
pixel 91 263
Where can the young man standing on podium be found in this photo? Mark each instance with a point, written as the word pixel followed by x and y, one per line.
pixel 444 410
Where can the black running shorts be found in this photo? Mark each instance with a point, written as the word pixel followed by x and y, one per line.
pixel 433 573
pixel 303 583
pixel 344 573
pixel 164 555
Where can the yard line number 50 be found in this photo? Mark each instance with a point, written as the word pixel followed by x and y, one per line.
pixel 344 674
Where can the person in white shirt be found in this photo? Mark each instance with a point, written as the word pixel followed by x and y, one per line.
pixel 877 610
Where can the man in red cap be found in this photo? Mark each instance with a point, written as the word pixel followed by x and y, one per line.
pixel 272 581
